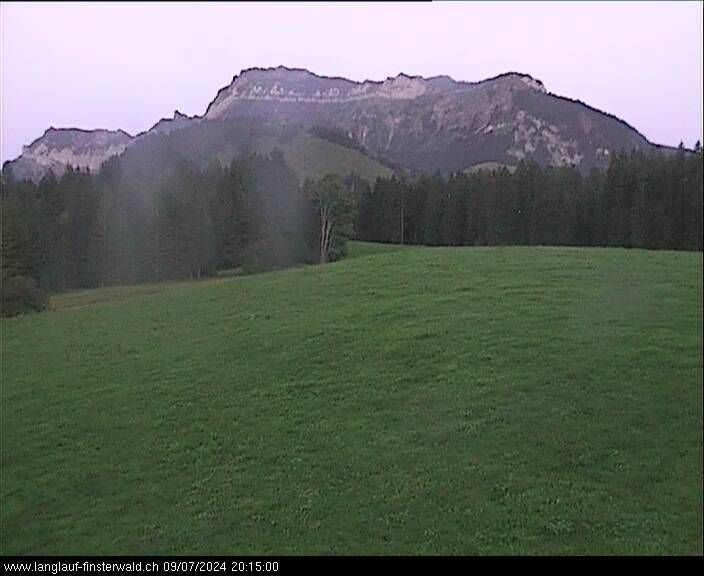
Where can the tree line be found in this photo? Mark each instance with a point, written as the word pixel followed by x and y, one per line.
pixel 153 215
pixel 643 200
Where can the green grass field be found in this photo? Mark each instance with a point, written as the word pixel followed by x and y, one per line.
pixel 417 401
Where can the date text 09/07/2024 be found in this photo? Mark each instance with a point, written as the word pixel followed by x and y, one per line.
pixel 224 566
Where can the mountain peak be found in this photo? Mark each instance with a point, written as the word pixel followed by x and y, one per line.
pixel 527 79
pixel 430 123
pixel 403 75
pixel 278 72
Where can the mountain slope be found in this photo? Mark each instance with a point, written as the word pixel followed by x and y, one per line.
pixel 420 123
pixel 59 147
pixel 435 123
pixel 313 157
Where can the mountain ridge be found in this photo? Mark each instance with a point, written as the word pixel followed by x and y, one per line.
pixel 434 123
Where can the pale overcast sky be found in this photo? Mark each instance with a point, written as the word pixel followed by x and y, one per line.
pixel 126 65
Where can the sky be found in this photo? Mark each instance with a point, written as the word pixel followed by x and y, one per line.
pixel 126 65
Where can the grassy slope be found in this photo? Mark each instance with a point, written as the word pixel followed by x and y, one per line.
pixel 314 157
pixel 488 400
pixel 490 166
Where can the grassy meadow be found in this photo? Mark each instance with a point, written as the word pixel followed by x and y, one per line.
pixel 512 400
pixel 314 157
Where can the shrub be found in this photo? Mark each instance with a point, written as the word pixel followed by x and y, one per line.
pixel 20 295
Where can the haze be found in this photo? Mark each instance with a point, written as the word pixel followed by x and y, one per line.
pixel 99 65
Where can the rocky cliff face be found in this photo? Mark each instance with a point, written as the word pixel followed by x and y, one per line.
pixel 423 123
pixel 435 123
pixel 84 149
pixel 58 147
pixel 303 87
pixel 168 125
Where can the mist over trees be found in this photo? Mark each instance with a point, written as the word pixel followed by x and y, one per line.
pixel 154 214
pixel 156 217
